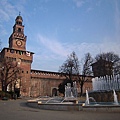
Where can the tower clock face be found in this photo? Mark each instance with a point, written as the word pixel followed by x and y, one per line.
pixel 19 42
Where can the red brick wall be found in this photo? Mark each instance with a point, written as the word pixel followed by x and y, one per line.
pixel 43 82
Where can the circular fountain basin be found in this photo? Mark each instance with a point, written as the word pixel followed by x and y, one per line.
pixel 55 106
pixel 67 104
pixel 55 103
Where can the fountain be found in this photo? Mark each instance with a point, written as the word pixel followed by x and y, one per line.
pixel 115 97
pixel 106 82
pixel 70 102
pixel 87 102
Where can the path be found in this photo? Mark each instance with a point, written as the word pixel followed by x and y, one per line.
pixel 17 110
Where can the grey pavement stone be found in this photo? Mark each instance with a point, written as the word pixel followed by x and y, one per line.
pixel 18 110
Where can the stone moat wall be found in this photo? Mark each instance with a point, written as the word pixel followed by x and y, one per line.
pixel 104 96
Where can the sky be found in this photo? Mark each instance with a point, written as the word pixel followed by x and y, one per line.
pixel 56 28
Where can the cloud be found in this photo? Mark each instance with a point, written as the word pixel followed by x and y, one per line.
pixel 110 46
pixel 2 30
pixel 117 21
pixel 96 48
pixel 52 53
pixel 79 3
pixel 89 9
pixel 53 45
pixel 64 49
pixel 7 10
pixel 75 29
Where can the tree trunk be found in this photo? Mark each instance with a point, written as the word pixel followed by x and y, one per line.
pixel 4 87
pixel 81 89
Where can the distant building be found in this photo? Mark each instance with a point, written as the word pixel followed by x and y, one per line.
pixel 102 68
pixel 33 82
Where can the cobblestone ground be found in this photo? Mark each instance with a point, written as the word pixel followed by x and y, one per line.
pixel 17 110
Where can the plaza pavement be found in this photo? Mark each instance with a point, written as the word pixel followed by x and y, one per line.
pixel 18 110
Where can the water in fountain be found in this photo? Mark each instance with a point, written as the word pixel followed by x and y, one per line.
pixel 106 82
pixel 54 100
pixel 115 97
pixel 87 102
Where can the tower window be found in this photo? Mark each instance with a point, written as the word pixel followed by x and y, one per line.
pixel 19 29
pixel 19 23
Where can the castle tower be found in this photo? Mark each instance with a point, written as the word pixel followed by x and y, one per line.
pixel 17 52
pixel 17 40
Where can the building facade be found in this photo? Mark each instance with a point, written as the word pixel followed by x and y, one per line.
pixel 102 68
pixel 33 83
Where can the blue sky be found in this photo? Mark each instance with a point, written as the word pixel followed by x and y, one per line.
pixel 55 28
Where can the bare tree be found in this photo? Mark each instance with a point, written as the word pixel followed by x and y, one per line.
pixel 71 69
pixel 9 73
pixel 86 71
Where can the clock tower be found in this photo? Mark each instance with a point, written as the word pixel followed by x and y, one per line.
pixel 17 40
pixel 17 53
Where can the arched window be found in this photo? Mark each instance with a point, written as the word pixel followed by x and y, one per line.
pixel 19 29
pixel 20 23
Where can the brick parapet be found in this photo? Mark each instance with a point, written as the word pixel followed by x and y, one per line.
pixel 13 53
pixel 46 74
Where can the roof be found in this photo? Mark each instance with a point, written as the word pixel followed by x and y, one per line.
pixel 19 17
pixel 102 61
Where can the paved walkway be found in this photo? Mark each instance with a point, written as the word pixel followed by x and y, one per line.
pixel 17 110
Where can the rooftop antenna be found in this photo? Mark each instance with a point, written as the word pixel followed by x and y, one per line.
pixel 19 13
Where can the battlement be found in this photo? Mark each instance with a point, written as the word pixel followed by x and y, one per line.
pixel 45 74
pixel 13 53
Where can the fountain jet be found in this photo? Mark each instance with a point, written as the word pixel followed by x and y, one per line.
pixel 87 102
pixel 115 97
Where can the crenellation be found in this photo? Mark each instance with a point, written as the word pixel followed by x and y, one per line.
pixel 45 73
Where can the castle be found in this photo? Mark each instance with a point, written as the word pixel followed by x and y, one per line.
pixel 33 83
